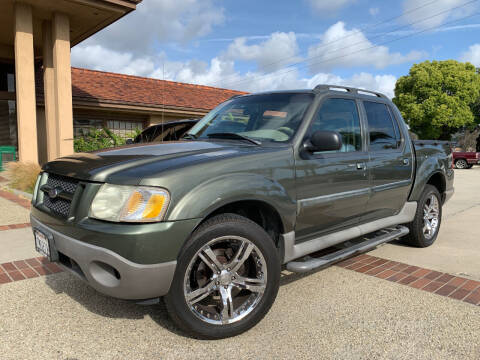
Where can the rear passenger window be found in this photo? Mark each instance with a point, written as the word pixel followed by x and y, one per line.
pixel 383 130
pixel 340 115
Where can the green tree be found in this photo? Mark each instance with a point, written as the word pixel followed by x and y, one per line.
pixel 437 98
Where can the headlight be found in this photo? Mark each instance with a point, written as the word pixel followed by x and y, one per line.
pixel 129 203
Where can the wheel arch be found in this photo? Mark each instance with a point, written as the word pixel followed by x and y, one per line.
pixel 438 180
pixel 430 170
pixel 239 193
pixel 260 212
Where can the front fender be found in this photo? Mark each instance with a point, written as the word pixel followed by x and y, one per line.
pixel 210 195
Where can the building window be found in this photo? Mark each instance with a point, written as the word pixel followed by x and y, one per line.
pixel 82 127
pixel 124 128
pixel 119 124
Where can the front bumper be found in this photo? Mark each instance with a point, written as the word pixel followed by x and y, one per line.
pixel 108 272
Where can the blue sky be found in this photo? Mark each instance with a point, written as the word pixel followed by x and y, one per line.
pixel 268 45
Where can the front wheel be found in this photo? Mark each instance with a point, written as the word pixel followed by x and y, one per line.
pixel 426 224
pixel 226 280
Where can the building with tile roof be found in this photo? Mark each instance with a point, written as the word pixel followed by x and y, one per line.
pixel 124 103
pixel 45 103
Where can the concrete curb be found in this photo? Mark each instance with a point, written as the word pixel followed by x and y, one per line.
pixel 15 198
pixel 18 192
pixel 436 282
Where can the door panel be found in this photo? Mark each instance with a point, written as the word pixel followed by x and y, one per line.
pixel 391 162
pixel 333 187
pixel 332 193
pixel 391 184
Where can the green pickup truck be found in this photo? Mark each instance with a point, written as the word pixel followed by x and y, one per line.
pixel 263 181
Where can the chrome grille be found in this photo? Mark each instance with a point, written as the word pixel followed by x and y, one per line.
pixel 60 205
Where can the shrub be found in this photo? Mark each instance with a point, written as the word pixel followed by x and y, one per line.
pixel 22 176
pixel 96 140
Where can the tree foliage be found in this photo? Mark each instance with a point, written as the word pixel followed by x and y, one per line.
pixel 437 98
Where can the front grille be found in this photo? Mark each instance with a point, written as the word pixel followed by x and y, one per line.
pixel 67 184
pixel 60 205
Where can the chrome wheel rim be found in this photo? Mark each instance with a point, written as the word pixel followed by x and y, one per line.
pixel 461 164
pixel 225 280
pixel 431 217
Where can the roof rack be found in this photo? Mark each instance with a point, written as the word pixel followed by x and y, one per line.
pixel 235 96
pixel 322 88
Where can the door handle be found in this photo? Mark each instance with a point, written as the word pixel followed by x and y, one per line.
pixel 361 166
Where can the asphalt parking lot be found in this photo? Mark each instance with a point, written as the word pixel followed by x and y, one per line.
pixel 333 313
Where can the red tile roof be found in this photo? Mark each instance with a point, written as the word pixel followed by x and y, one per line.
pixel 126 89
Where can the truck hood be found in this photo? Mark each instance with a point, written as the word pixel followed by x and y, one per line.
pixel 129 164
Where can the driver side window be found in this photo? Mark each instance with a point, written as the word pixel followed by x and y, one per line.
pixel 340 115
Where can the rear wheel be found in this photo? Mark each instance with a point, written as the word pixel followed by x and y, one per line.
pixel 226 280
pixel 461 164
pixel 426 224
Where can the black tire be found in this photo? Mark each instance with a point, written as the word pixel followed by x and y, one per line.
pixel 218 227
pixel 469 166
pixel 461 164
pixel 417 237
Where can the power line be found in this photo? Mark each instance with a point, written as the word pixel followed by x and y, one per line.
pixel 356 31
pixel 361 50
pixel 307 62
pixel 358 43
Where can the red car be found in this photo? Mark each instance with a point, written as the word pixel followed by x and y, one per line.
pixel 465 160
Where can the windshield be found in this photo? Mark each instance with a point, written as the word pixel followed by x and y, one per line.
pixel 269 117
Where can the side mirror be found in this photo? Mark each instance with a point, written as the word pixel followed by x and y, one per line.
pixel 324 141
pixel 129 141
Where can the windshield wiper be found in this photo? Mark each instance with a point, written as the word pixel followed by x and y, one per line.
pixel 190 136
pixel 233 136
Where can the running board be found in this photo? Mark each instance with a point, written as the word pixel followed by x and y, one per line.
pixel 380 237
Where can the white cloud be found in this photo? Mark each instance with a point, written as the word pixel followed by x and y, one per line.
pixel 374 11
pixel 349 48
pixel 384 84
pixel 329 6
pixel 97 57
pixel 221 72
pixel 158 21
pixel 427 10
pixel 472 55
pixel 268 54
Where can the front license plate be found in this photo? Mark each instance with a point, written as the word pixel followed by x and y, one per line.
pixel 42 244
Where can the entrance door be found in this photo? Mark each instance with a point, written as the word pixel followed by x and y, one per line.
pixel 8 115
pixel 333 187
